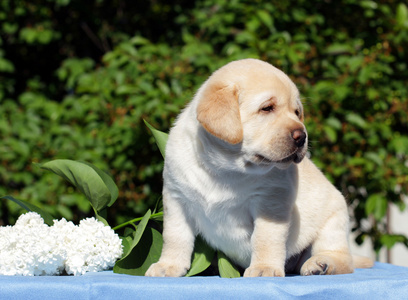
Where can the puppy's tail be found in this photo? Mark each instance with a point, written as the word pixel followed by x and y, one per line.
pixel 362 262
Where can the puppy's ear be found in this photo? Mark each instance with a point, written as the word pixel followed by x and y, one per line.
pixel 218 113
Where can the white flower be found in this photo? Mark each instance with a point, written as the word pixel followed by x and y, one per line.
pixel 31 247
pixel 30 220
pixel 95 247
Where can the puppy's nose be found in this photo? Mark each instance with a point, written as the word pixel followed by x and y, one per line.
pixel 299 136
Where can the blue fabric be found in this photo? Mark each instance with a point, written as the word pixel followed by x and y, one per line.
pixel 384 281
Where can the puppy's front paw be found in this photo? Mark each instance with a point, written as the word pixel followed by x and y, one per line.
pixel 318 265
pixel 160 269
pixel 264 271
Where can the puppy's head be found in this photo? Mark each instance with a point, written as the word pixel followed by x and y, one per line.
pixel 251 103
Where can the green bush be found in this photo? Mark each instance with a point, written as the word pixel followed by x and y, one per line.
pixel 78 79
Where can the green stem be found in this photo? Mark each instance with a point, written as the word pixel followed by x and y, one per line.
pixel 136 220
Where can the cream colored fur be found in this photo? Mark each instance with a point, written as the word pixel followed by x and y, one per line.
pixel 236 173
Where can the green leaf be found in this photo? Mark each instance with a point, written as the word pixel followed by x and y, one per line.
pixel 266 18
pixel 6 66
pixel 334 123
pixel 368 4
pixel 110 184
pixel 202 257
pixel 389 240
pixel 138 233
pixel 402 15
pixel 375 158
pixel 377 205
pixel 126 243
pixel 399 144
pixel 331 133
pixel 101 218
pixel 355 63
pixel 157 216
pixel 161 138
pixel 338 48
pixel 128 48
pixel 97 186
pixel 159 206
pixel 28 35
pixel 226 268
pixel 48 219
pixel 126 89
pixel 357 120
pixel 365 74
pixel 138 40
pixel 146 253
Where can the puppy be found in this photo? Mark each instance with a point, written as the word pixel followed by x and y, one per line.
pixel 236 173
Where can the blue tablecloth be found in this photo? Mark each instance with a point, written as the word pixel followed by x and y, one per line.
pixel 384 281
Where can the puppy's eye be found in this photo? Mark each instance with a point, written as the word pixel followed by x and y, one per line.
pixel 297 112
pixel 268 108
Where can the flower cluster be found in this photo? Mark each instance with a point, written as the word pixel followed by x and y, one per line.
pixel 31 247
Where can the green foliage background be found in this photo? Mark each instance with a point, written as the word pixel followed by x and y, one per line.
pixel 78 77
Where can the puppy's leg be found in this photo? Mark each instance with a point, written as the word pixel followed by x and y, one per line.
pixel 178 242
pixel 330 251
pixel 268 249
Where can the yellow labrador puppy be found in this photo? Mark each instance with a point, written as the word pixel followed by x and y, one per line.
pixel 236 173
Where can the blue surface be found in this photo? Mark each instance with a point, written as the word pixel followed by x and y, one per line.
pixel 384 281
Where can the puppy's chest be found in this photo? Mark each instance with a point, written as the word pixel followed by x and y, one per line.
pixel 225 226
pixel 223 216
pixel 225 213
pixel 222 212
